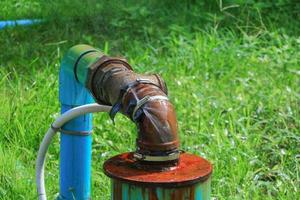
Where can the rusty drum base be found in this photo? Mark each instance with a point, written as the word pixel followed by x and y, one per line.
pixel 190 180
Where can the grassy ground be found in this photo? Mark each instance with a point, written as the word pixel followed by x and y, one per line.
pixel 233 77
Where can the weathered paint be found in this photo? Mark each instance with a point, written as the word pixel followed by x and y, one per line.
pixel 127 191
pixel 190 180
pixel 78 60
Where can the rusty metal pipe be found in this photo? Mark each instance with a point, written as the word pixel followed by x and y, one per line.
pixel 142 98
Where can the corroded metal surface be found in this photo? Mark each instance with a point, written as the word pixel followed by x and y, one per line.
pixel 113 82
pixel 190 170
pixel 142 98
pixel 124 191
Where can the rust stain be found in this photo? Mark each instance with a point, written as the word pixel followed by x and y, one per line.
pixel 152 194
pixel 192 192
pixel 117 190
pixel 190 169
pixel 178 194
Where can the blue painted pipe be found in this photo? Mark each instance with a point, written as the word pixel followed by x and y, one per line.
pixel 75 139
pixel 21 22
pixel 75 158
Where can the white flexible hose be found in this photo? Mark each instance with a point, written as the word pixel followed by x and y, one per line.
pixel 58 123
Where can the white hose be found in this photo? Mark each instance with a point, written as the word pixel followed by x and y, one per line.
pixel 57 124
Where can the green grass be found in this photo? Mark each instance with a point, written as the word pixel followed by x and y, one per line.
pixel 234 84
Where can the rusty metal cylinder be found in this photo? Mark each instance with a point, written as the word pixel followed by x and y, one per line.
pixel 189 180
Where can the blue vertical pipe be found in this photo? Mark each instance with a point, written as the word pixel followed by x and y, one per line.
pixel 75 143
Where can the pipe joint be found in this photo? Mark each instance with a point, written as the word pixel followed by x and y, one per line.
pixel 142 98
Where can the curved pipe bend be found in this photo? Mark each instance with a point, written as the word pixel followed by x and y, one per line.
pixel 142 98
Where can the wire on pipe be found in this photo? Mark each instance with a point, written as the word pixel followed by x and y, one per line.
pixel 56 125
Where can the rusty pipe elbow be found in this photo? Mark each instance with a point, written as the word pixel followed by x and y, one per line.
pixel 142 98
pixel 155 120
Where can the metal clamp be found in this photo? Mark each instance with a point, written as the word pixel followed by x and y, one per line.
pixel 69 132
pixel 81 133
pixel 77 61
pixel 144 100
pixel 123 92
